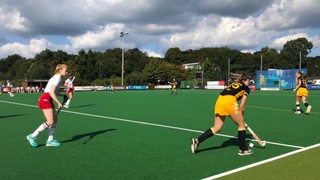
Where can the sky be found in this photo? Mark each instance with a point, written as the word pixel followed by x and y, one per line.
pixel 28 27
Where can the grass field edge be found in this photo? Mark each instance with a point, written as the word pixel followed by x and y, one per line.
pixel 261 162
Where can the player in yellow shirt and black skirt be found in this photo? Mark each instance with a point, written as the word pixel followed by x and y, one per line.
pixel 227 105
pixel 302 93
pixel 174 87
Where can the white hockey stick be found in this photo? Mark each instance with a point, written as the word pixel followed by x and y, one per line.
pixel 261 143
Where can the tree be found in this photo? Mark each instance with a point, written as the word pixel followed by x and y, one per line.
pixel 270 59
pixel 135 61
pixel 135 78
pixel 38 71
pixel 173 55
pixel 290 54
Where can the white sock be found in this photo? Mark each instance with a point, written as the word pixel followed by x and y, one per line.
pixel 52 129
pixel 68 102
pixel 41 128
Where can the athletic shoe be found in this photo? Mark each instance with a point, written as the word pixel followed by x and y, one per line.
pixel 66 106
pixel 297 112
pixel 53 143
pixel 308 109
pixel 32 141
pixel 194 145
pixel 245 152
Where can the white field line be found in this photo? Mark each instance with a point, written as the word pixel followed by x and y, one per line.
pixel 150 124
pixel 261 162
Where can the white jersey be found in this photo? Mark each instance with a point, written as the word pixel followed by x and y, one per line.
pixel 69 83
pixel 54 81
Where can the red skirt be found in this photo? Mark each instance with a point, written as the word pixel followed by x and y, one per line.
pixel 45 101
pixel 70 90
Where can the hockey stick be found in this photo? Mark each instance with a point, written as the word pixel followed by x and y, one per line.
pixel 73 79
pixel 261 143
pixel 65 99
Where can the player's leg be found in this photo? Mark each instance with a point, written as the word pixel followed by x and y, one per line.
pixel 70 93
pixel 298 108
pixel 52 128
pixel 239 120
pixel 51 122
pixel 304 94
pixel 48 113
pixel 306 104
pixel 218 124
pixel 10 92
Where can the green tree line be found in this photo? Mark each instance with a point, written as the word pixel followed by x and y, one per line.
pixel 99 68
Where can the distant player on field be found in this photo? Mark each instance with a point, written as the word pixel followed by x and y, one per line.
pixel 227 105
pixel 302 93
pixel 70 89
pixel 45 103
pixel 9 90
pixel 174 87
pixel 111 87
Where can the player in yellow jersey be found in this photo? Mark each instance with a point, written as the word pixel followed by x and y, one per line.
pixel 302 93
pixel 111 87
pixel 227 105
pixel 174 87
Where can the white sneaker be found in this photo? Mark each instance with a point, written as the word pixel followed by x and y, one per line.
pixel 297 112
pixel 194 145
pixel 66 106
pixel 308 109
pixel 245 152
pixel 53 143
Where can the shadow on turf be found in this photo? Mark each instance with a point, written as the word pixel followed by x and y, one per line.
pixel 229 142
pixel 9 116
pixel 81 106
pixel 90 136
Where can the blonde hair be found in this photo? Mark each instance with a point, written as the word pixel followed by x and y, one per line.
pixel 59 67
pixel 242 77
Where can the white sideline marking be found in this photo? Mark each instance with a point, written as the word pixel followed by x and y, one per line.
pixel 261 162
pixel 151 124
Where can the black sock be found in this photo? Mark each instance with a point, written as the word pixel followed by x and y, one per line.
pixel 306 104
pixel 242 140
pixel 205 136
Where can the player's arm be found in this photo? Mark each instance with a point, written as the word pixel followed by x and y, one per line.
pixel 298 84
pixel 54 97
pixel 243 102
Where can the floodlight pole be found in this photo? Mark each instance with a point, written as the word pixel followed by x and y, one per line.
pixel 261 63
pixel 122 34
pixel 300 61
pixel 228 71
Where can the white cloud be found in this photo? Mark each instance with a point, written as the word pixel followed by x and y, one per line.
pixel 12 20
pixel 279 42
pixel 30 50
pixel 98 38
pixel 231 32
pixel 152 53
pixel 288 14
